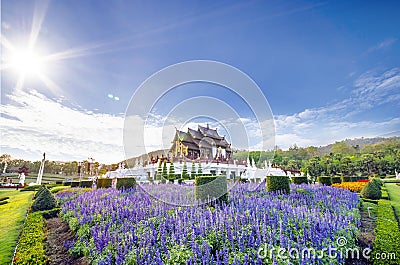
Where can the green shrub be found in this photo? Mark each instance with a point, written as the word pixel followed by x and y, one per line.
pixel 45 201
pixel 66 183
pixel 185 174
pixel 85 183
pixel 211 188
pixel 356 178
pixel 325 180
pixel 40 191
pixel 126 183
pixel 347 178
pixel 276 183
pixel 4 198
pixel 391 181
pixel 171 173
pixel 74 184
pixel 387 234
pixel 378 181
pixel 300 180
pixel 31 188
pixel 369 200
pixel 371 191
pixel 50 213
pixel 104 183
pixel 336 179
pixel 57 189
pixel 31 246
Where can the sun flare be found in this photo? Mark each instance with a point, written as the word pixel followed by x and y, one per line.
pixel 27 62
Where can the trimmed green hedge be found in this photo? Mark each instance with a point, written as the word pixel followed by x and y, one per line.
pixel 85 183
pixel 57 189
pixel 104 183
pixel 66 183
pixel 126 183
pixel 211 188
pixel 31 188
pixel 31 246
pixel 276 183
pixel 387 234
pixel 50 213
pixel 347 178
pixel 300 180
pixel 4 198
pixel 391 180
pixel 75 184
pixel 336 179
pixel 325 180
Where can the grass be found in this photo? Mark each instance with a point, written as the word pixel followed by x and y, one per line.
pixel 12 216
pixel 394 194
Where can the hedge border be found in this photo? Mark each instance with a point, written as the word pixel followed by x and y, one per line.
pixel 387 234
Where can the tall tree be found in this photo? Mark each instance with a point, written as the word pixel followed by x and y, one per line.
pixel 165 170
pixel 171 173
pixel 184 171
pixel 199 169
pixel 159 170
pixel 193 172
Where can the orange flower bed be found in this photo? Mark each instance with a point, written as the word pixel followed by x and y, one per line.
pixel 351 186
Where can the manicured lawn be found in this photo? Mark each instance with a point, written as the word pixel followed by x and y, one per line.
pixel 12 216
pixel 394 194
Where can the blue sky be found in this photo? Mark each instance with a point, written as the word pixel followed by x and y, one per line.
pixel 330 70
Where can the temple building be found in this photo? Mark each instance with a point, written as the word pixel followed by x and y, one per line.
pixel 204 143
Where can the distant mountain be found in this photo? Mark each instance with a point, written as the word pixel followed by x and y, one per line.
pixel 360 142
pixel 146 157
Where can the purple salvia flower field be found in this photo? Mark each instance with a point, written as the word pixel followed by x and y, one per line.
pixel 130 227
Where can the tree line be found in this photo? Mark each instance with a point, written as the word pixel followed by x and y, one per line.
pixel 69 168
pixel 381 158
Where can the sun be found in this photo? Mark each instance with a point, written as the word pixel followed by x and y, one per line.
pixel 27 62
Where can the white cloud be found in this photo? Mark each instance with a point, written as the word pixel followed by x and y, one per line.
pixel 382 45
pixel 320 126
pixel 38 124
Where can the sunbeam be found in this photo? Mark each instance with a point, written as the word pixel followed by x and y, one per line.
pixel 38 17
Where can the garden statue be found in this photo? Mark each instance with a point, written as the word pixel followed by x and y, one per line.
pixel 22 179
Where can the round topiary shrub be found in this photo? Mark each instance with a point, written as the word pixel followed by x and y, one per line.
pixel 45 201
pixel 300 180
pixel 278 183
pixel 371 191
pixel 378 181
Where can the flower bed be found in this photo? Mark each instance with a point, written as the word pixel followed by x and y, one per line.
pixel 31 245
pixel 387 236
pixel 351 186
pixel 116 227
